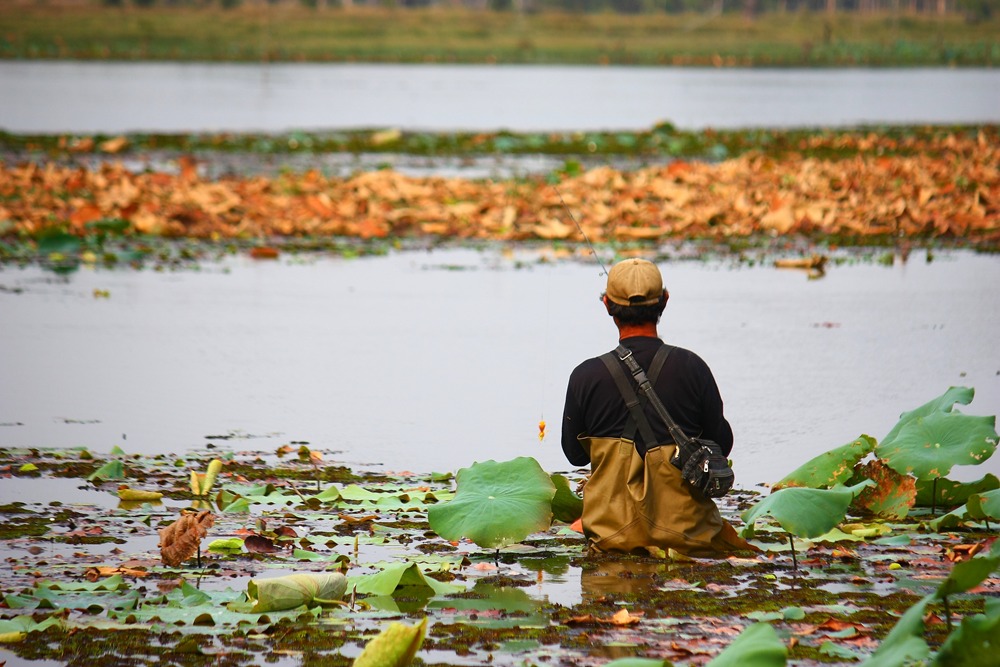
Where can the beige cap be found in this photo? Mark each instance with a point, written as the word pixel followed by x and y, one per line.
pixel 634 282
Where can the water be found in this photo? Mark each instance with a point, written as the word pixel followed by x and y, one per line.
pixel 431 360
pixel 89 97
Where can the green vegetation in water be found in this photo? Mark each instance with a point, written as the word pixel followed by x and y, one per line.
pixel 661 141
pixel 269 33
pixel 864 586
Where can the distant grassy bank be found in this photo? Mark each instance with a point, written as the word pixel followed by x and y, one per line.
pixel 296 33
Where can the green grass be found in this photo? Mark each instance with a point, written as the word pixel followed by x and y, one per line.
pixel 295 33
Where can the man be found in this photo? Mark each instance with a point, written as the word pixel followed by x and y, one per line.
pixel 635 497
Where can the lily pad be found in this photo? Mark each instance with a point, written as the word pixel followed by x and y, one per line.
pixel 496 503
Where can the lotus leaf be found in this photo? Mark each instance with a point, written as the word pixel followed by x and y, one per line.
pixel 984 505
pixel 973 644
pixel 944 492
pixel 757 646
pixel 942 403
pixel 566 505
pixel 294 590
pixel 833 467
pixel 905 642
pixel 227 545
pixel 400 575
pixel 110 470
pixel 891 496
pixel 395 646
pixel 803 512
pixel 496 503
pixel 928 447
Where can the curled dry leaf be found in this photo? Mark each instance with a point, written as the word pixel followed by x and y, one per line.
pixel 182 539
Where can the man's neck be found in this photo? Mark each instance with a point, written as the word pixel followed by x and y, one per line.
pixel 647 329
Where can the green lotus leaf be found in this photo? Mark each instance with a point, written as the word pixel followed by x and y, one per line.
pixel 929 446
pixel 293 590
pixel 395 646
pixel 973 644
pixel 496 503
pixel 227 545
pixel 905 643
pixel 757 646
pixel 805 513
pixel 948 493
pixel 566 505
pixel 984 505
pixel 329 495
pixel 942 403
pixel 110 470
pixel 831 468
pixel 401 575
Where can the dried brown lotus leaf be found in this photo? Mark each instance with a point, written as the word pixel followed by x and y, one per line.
pixel 182 539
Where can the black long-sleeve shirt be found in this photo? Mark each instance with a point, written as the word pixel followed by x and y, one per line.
pixel 595 407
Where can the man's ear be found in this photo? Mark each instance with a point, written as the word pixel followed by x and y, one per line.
pixel 607 306
pixel 666 296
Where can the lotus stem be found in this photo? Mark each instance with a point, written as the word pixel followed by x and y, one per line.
pixel 934 496
pixel 947 612
pixel 791 543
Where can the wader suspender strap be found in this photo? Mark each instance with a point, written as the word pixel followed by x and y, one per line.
pixel 636 415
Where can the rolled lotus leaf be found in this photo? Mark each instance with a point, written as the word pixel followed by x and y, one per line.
pixel 395 646
pixel 202 482
pixel 294 590
pixel 135 495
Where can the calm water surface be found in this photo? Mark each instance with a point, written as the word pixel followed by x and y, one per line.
pixel 46 96
pixel 429 361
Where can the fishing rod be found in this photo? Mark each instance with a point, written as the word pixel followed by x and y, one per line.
pixel 572 217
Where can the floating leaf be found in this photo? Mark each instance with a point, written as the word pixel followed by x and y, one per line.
pixel 496 504
pixel 136 495
pixel 830 468
pixel 804 512
pixel 395 646
pixel 295 590
pixel 757 646
pixel 929 446
pixel 566 505
pixel 228 545
pixel 401 575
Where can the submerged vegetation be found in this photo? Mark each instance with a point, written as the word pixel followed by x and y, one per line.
pixel 291 567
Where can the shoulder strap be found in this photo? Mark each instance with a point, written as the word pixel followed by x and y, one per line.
pixel 612 361
pixel 625 356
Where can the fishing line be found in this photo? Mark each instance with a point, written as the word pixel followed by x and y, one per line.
pixel 569 212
